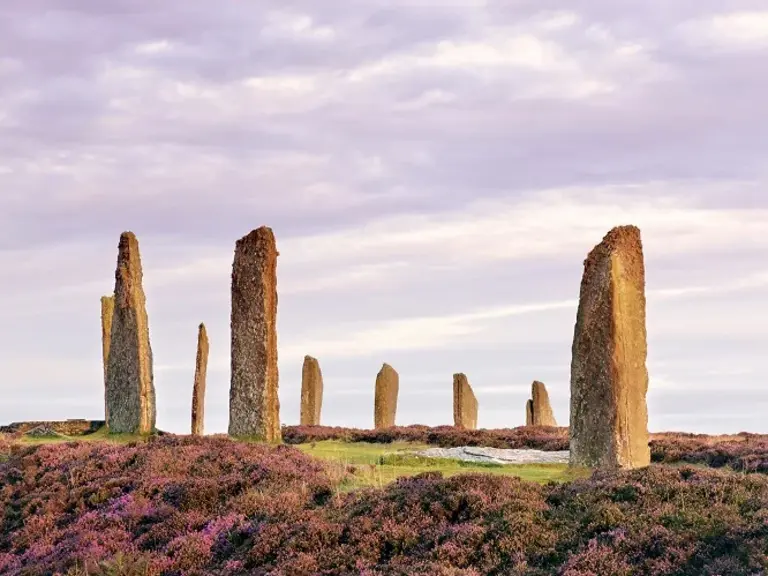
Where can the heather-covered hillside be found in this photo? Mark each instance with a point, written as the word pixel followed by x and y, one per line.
pixel 189 506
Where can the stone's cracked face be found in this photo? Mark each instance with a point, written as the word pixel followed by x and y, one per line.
pixel 130 389
pixel 254 408
pixel 609 379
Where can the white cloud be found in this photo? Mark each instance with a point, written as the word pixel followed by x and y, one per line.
pixel 551 223
pixel 295 26
pixel 475 327
pixel 731 31
pixel 156 47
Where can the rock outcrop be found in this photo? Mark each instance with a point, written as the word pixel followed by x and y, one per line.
pixel 541 410
pixel 311 392
pixel 198 389
pixel 254 406
pixel 609 378
pixel 130 380
pixel 464 403
pixel 107 310
pixel 385 401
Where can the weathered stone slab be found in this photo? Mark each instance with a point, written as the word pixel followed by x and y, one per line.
pixel 254 406
pixel 130 380
pixel 609 378
pixel 385 401
pixel 496 455
pixel 311 392
pixel 464 403
pixel 107 310
pixel 541 410
pixel 198 389
pixel 529 412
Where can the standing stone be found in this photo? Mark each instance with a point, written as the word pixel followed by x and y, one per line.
pixel 311 392
pixel 464 403
pixel 107 310
pixel 529 412
pixel 254 407
pixel 385 401
pixel 198 390
pixel 609 378
pixel 541 410
pixel 130 381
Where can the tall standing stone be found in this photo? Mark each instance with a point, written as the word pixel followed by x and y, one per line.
pixel 529 412
pixel 541 410
pixel 254 407
pixel 107 310
pixel 198 390
pixel 464 403
pixel 130 380
pixel 385 401
pixel 609 378
pixel 311 392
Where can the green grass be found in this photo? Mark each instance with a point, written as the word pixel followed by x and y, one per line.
pixel 379 464
pixel 101 435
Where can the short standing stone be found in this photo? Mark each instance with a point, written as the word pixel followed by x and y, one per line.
pixel 198 390
pixel 385 401
pixel 609 378
pixel 130 381
pixel 464 403
pixel 541 410
pixel 254 407
pixel 107 310
pixel 311 392
pixel 529 412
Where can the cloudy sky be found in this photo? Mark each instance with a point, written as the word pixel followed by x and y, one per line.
pixel 435 173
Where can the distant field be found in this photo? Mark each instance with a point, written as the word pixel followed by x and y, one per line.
pixel 373 454
pixel 379 464
pixel 360 464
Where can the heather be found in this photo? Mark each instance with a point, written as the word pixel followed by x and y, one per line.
pixel 744 452
pixel 534 437
pixel 193 506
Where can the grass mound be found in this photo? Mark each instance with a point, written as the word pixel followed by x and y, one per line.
pixel 179 505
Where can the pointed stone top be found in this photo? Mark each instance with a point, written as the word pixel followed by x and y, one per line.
pixel 108 299
pixel 537 386
pixel 257 236
pixel 260 241
pixel 621 238
pixel 386 367
pixel 201 327
pixel 308 358
pixel 127 245
pixel 621 234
